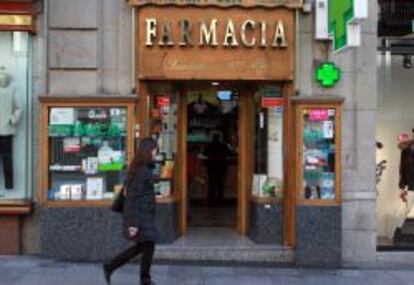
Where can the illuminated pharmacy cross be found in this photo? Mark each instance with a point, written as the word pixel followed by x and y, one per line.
pixel 328 74
pixel 340 13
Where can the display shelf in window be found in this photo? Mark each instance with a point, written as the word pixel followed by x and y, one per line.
pixel 269 120
pixel 86 147
pixel 318 126
pixel 163 106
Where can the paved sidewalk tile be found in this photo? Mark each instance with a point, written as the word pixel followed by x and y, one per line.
pixel 36 271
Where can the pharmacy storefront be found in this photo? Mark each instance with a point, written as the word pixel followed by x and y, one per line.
pixel 237 151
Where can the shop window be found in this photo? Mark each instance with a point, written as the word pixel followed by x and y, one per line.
pixel 319 151
pixel 395 153
pixel 163 106
pixel 268 159
pixel 87 152
pixel 15 111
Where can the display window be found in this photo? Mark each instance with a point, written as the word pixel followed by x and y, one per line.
pixel 163 104
pixel 318 163
pixel 86 147
pixel 318 151
pixel 15 111
pixel 395 153
pixel 268 178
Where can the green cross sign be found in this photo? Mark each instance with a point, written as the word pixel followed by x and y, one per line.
pixel 341 12
pixel 327 74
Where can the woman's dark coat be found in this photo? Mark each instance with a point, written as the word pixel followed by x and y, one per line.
pixel 139 207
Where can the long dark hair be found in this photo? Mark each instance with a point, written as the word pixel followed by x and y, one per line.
pixel 143 157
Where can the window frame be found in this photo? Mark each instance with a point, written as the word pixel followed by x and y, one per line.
pixel 49 102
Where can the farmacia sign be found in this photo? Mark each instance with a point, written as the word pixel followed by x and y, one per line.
pixel 214 33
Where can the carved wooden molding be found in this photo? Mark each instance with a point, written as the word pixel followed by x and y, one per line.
pixel 292 4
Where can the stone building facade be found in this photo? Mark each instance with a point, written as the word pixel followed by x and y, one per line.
pixel 86 48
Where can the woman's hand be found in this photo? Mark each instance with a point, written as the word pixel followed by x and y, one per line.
pixel 132 231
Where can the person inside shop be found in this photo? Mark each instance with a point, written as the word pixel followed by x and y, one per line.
pixel 216 153
pixel 138 213
pixel 199 106
pixel 233 142
pixel 9 117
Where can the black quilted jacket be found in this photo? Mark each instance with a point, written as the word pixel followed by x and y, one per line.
pixel 139 207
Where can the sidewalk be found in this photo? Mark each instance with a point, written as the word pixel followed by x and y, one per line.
pixel 35 271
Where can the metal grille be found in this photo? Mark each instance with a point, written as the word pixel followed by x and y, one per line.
pixel 395 17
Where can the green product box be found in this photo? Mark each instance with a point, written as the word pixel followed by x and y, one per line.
pixel 60 130
pixel 79 129
pixel 114 166
pixel 113 130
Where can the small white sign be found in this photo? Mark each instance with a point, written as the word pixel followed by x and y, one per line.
pixel 328 130
pixel 62 116
pixel 76 192
pixel 64 193
pixel 94 188
pixel 261 120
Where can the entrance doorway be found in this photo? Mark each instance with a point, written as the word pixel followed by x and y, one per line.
pixel 230 105
pixel 244 189
pixel 212 157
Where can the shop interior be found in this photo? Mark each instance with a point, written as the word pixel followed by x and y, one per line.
pixel 201 125
pixel 212 158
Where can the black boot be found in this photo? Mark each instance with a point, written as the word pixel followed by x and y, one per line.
pixel 107 273
pixel 147 282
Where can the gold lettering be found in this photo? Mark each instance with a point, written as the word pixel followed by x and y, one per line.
pixel 263 34
pixel 280 36
pixel 230 36
pixel 166 36
pixel 249 34
pixel 15 20
pixel 151 30
pixel 186 29
pixel 247 24
pixel 208 36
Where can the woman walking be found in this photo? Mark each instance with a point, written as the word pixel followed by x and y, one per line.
pixel 138 213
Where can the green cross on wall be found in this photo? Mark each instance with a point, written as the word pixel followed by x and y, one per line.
pixel 340 13
pixel 327 74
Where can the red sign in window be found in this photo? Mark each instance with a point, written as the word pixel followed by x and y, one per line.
pixel 269 102
pixel 318 115
pixel 163 101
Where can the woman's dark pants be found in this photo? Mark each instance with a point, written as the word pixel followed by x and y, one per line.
pixel 145 248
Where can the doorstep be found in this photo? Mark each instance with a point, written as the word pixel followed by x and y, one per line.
pixel 256 254
pixel 222 245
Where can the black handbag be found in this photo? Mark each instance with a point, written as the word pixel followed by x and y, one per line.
pixel 118 202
